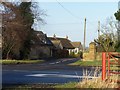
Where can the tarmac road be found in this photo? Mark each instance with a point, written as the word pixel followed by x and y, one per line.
pixel 50 72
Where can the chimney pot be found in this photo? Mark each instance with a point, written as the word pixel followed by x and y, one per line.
pixel 66 37
pixel 54 36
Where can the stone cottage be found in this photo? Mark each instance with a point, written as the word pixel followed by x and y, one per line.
pixel 61 45
pixel 41 46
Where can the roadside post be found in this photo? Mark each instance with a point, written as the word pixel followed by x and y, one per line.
pixel 103 65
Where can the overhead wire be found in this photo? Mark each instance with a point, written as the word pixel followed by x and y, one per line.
pixel 67 10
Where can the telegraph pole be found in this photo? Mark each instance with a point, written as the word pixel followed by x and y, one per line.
pixel 98 29
pixel 84 35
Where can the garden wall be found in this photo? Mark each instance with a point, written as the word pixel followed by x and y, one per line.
pixel 93 54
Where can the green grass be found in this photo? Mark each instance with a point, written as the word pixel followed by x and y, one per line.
pixel 93 83
pixel 67 85
pixel 93 63
pixel 4 62
pixel 87 63
pixel 23 87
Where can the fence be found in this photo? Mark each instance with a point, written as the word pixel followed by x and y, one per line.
pixel 107 62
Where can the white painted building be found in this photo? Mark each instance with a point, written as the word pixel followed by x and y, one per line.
pixel 78 47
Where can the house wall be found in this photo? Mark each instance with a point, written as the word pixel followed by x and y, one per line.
pixel 76 50
pixel 60 46
pixel 70 51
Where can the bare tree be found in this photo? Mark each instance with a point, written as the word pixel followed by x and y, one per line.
pixel 107 40
pixel 18 18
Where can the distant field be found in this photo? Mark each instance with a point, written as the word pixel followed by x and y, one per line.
pixel 4 62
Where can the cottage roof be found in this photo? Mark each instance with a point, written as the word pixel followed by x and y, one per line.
pixel 76 44
pixel 56 43
pixel 40 38
pixel 64 42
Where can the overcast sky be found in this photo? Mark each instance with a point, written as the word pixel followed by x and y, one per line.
pixel 67 18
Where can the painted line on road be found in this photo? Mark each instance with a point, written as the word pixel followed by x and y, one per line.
pixel 58 75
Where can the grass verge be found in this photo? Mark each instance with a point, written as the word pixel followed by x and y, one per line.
pixel 98 83
pixel 94 64
pixel 87 63
pixel 67 85
pixel 5 62
pixel 110 82
pixel 29 87
pixel 93 83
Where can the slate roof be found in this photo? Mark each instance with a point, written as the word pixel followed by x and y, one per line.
pixel 66 44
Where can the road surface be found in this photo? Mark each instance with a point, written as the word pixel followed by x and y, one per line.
pixel 51 72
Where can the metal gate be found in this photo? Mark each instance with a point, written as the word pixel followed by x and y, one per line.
pixel 108 59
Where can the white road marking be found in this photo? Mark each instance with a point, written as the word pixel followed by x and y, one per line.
pixel 58 75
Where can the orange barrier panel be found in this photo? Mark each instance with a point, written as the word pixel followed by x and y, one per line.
pixel 106 56
pixel 103 66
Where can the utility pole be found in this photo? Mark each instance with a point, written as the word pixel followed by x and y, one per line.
pixel 84 35
pixel 98 29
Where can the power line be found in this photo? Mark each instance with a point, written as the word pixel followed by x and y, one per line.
pixel 67 10
pixel 72 13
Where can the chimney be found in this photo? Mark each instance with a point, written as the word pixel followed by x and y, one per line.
pixel 54 36
pixel 66 37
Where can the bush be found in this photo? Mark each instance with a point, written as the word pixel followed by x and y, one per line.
pixel 60 53
pixel 80 54
pixel 117 47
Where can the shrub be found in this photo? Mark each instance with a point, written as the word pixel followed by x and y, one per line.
pixel 117 47
pixel 60 53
